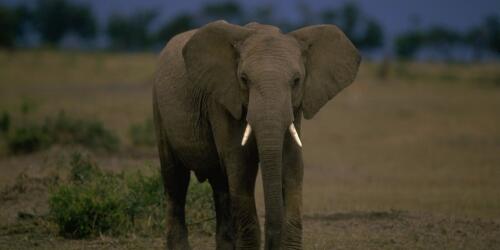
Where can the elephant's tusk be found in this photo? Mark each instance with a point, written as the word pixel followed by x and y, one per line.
pixel 295 135
pixel 248 131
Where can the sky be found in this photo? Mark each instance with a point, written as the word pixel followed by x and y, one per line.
pixel 394 15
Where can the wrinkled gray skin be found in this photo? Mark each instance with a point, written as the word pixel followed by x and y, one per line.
pixel 209 84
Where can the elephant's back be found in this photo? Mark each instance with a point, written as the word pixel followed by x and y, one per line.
pixel 171 62
pixel 171 83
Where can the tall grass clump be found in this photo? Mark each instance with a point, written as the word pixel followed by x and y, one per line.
pixel 93 202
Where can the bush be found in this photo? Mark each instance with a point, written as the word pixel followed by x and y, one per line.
pixel 83 169
pixel 89 133
pixel 62 129
pixel 94 202
pixel 4 123
pixel 89 210
pixel 145 202
pixel 142 134
pixel 27 139
pixel 91 203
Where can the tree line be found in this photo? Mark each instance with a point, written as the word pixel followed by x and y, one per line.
pixel 481 39
pixel 52 20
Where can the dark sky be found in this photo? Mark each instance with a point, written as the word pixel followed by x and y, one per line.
pixel 394 15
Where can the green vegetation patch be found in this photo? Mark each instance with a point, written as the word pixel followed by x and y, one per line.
pixel 142 134
pixel 94 202
pixel 27 135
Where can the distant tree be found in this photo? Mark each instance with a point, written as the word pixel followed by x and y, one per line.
pixel 484 37
pixel 82 22
pixel 441 39
pixel 178 25
pixel 25 18
pixel 9 26
pixel 52 20
pixel 476 38
pixel 307 16
pixel 408 43
pixel 131 32
pixel 349 17
pixel 12 24
pixel 492 28
pixel 264 14
pixel 229 11
pixel 373 36
pixel 55 18
pixel 328 16
pixel 365 33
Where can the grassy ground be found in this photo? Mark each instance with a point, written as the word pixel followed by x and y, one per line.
pixel 410 161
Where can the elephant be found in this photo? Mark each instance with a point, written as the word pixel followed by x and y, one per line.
pixel 228 100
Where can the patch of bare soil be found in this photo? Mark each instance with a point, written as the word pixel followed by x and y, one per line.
pixel 352 230
pixel 398 230
pixel 27 197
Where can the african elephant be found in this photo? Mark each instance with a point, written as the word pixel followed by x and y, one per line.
pixel 228 99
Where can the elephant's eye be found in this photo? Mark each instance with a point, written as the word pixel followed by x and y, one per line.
pixel 244 79
pixel 296 81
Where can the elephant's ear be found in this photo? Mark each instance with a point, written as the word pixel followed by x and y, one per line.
pixel 210 57
pixel 331 64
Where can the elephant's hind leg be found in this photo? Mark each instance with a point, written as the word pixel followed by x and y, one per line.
pixel 175 182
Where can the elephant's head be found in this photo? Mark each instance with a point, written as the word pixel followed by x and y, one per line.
pixel 273 76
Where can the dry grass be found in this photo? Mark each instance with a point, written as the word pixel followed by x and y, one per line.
pixel 114 88
pixel 426 140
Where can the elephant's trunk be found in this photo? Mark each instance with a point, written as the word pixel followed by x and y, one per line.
pixel 270 135
pixel 269 116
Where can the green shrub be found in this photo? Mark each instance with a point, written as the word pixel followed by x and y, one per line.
pixel 83 169
pixel 91 209
pixel 142 134
pixel 94 202
pixel 91 203
pixel 27 139
pixel 89 133
pixel 4 123
pixel 29 136
pixel 145 203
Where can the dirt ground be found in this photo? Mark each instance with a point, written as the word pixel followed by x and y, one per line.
pixel 407 162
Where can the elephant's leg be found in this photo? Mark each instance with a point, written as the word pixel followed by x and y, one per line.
pixel 224 228
pixel 241 176
pixel 175 181
pixel 240 165
pixel 292 195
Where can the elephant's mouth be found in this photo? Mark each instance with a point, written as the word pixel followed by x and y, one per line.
pixel 291 129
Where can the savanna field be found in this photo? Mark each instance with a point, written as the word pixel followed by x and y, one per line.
pixel 408 157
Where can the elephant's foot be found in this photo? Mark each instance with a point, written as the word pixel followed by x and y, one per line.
pixel 248 237
pixel 292 238
pixel 177 240
pixel 224 242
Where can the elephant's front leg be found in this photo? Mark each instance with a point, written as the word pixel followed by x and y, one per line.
pixel 224 228
pixel 292 194
pixel 242 172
